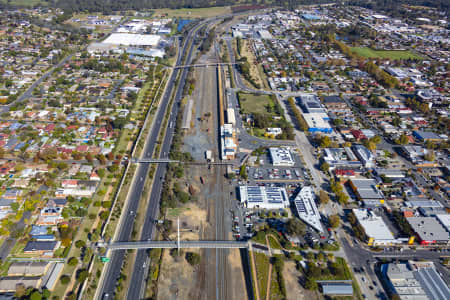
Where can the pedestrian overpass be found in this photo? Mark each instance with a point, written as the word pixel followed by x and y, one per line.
pixel 177 244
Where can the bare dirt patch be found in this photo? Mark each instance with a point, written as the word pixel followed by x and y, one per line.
pixel 294 291
pixel 238 280
pixel 177 279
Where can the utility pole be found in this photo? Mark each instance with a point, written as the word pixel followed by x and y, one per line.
pixel 178 235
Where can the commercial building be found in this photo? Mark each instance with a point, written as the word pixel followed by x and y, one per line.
pixel 306 207
pixel 317 122
pixel 416 281
pixel 231 117
pixel 336 287
pixel 390 173
pixel 335 103
pixel 341 158
pixel 364 155
pixel 375 228
pixel 444 219
pixel 264 34
pixel 414 153
pixel 264 197
pixel 130 39
pixel 228 142
pixel 281 157
pixel 426 136
pixel 310 103
pixel 429 230
pixel 367 191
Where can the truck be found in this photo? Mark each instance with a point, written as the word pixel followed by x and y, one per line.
pixel 208 156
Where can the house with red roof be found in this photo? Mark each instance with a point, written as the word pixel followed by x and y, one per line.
pixel 358 134
pixel 49 128
pixel 82 148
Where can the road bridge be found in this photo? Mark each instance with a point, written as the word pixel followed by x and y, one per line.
pixel 177 244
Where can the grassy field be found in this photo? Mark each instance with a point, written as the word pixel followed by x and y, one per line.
pixel 275 291
pixel 24 2
pixel 274 243
pixel 391 54
pixel 193 12
pixel 251 103
pixel 262 272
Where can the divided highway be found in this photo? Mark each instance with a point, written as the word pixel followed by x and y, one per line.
pixel 112 269
pixel 137 283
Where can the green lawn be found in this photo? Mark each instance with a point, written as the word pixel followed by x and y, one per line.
pixel 251 103
pixel 24 2
pixel 262 272
pixel 274 243
pixel 275 290
pixel 390 54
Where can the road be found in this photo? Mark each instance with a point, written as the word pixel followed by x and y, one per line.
pixel 137 284
pixel 29 91
pixel 246 140
pixel 113 268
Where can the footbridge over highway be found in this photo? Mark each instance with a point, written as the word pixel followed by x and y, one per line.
pixel 177 244
pixel 205 65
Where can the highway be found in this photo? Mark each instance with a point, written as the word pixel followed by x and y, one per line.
pixel 137 283
pixel 113 268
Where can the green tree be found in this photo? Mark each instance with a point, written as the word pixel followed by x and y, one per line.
pixel 325 141
pixel 402 140
pixel 80 244
pixel 334 221
pixel 376 139
pixel 193 258
pixel 82 274
pixel 243 172
pixel 311 284
pixel 36 295
pixel 429 156
pixel 295 227
pixel 73 261
pixel 325 167
pixel 323 197
pixel 342 197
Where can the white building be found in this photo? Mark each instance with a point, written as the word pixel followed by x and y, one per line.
pixel 307 209
pixel 365 156
pixel 274 130
pixel 281 157
pixel 375 228
pixel 129 39
pixel 228 142
pixel 264 197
